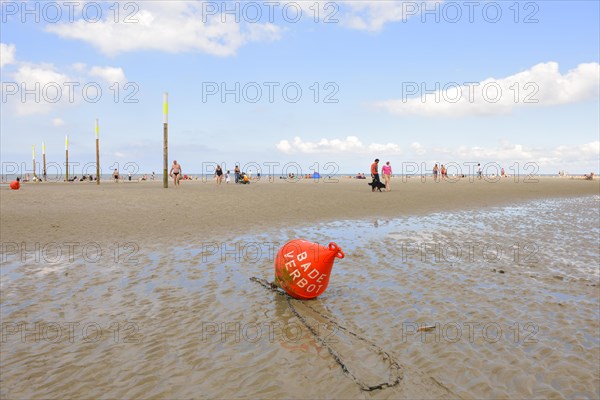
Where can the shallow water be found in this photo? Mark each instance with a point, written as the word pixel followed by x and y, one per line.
pixel 512 292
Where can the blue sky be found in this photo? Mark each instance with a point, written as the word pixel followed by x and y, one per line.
pixel 370 64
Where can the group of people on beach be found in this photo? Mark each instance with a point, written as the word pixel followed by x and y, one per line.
pixel 116 177
pixel 376 184
pixel 239 176
pixel 440 172
pixel 245 178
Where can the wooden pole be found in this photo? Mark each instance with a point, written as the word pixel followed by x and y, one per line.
pixel 165 140
pixel 97 152
pixel 67 156
pixel 44 160
pixel 33 158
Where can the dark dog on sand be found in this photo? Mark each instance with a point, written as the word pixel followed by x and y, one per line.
pixel 376 184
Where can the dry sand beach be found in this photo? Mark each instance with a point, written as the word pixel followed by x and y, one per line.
pixel 197 212
pixel 155 300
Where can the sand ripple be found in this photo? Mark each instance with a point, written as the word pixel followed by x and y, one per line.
pixel 178 325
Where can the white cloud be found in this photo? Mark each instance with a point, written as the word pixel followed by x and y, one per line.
pixel 285 146
pixel 366 15
pixel 58 122
pixel 417 148
pixel 174 26
pixel 587 151
pixel 373 15
pixel 541 85
pixel 46 85
pixel 42 88
pixel 79 67
pixel 507 154
pixel 109 74
pixel 387 148
pixel 349 145
pixel 7 54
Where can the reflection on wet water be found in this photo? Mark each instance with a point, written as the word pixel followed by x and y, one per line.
pixel 512 292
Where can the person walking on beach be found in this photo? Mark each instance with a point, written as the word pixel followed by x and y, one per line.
pixel 443 172
pixel 479 172
pixel 227 179
pixel 219 174
pixel 386 170
pixel 116 175
pixel 175 173
pixel 236 173
pixel 375 173
pixel 435 172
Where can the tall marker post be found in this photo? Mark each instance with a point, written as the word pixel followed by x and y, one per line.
pixel 165 140
pixel 44 160
pixel 97 152
pixel 33 158
pixel 67 156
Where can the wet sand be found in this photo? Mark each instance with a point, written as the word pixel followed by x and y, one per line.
pixel 166 308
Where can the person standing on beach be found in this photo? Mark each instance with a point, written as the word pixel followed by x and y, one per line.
pixel 219 174
pixel 116 175
pixel 435 172
pixel 175 173
pixel 236 173
pixel 227 179
pixel 479 172
pixel 386 170
pixel 443 172
pixel 375 173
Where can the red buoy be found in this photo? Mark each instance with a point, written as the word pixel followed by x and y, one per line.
pixel 303 268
